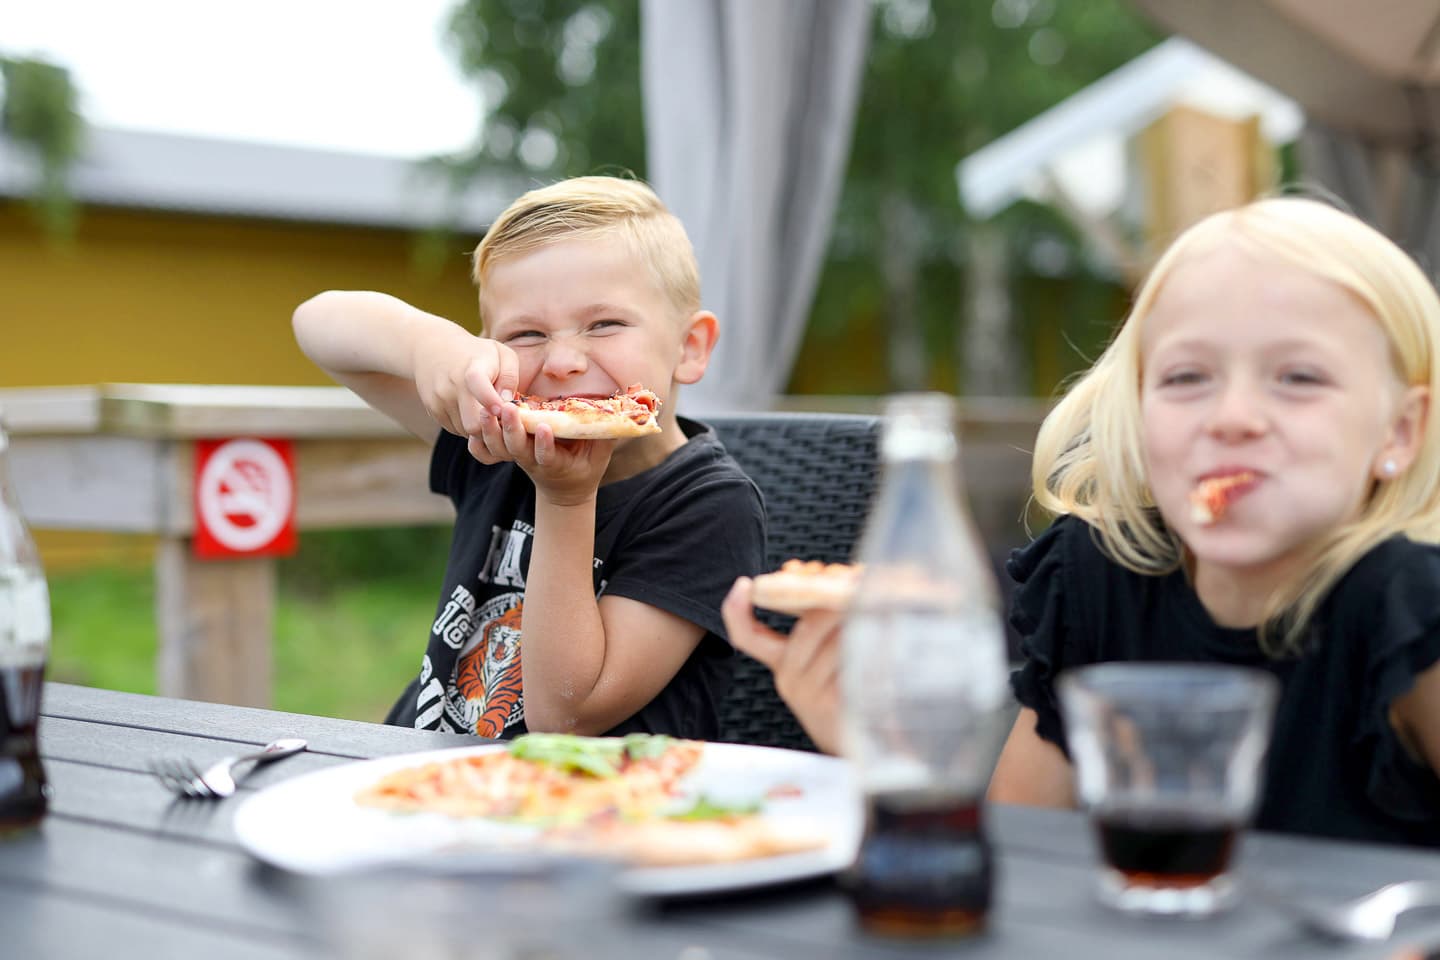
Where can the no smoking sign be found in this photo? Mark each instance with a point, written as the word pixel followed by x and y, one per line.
pixel 244 498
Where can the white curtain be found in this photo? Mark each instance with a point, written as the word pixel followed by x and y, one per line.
pixel 749 107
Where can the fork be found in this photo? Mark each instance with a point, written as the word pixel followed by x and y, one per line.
pixel 183 777
pixel 1370 917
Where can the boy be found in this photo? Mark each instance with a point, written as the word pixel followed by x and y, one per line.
pixel 584 581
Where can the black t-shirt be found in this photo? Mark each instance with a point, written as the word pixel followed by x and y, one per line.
pixel 1336 767
pixel 675 536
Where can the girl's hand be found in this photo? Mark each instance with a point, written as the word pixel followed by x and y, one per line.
pixel 565 472
pixel 806 664
pixel 463 381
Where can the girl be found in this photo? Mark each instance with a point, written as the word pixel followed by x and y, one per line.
pixel 1285 353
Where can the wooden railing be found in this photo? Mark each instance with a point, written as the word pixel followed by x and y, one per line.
pixel 120 458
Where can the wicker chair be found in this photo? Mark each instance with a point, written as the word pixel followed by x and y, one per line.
pixel 817 473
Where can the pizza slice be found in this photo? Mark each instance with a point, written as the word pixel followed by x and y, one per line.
pixel 1210 497
pixel 544 779
pixel 632 412
pixel 802 585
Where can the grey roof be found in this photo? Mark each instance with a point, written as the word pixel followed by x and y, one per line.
pixel 172 172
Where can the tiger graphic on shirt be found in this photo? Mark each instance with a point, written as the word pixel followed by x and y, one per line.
pixel 488 675
pixel 470 681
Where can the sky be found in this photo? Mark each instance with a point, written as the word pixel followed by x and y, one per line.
pixel 366 76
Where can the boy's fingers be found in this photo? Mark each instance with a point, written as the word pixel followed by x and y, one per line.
pixel 479 384
pixel 507 377
pixel 512 432
pixel 473 416
pixel 478 450
pixel 544 444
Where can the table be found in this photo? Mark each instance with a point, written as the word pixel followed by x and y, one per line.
pixel 119 870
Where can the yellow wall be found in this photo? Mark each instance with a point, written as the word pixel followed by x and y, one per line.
pixel 143 296
pixel 162 297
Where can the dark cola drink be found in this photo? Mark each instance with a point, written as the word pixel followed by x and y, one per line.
pixel 1172 849
pixel 925 868
pixel 24 792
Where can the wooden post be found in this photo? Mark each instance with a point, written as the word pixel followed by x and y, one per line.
pixel 214 618
pixel 1196 164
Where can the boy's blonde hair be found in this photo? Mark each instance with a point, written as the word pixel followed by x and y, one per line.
pixel 585 207
pixel 1089 457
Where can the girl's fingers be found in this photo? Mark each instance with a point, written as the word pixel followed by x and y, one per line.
pixel 813 639
pixel 745 632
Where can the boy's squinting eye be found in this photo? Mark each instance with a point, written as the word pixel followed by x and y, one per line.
pixel 602 326
pixel 521 336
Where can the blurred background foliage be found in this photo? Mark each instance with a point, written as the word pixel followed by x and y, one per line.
pixel 39 111
pixel 561 80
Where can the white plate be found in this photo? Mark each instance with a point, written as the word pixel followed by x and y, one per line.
pixel 311 824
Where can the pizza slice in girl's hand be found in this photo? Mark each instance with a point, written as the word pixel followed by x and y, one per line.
pixel 631 412
pixel 802 585
pixel 1211 497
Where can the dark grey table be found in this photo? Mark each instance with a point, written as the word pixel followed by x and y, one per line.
pixel 118 870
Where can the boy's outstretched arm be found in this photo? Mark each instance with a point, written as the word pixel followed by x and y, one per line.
pixel 418 369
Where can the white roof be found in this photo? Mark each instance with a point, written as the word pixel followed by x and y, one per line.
pixel 164 171
pixel 1081 140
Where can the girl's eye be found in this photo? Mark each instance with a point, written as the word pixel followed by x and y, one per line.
pixel 521 336
pixel 1182 378
pixel 600 325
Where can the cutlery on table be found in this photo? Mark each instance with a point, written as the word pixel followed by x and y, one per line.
pixel 183 777
pixel 1370 917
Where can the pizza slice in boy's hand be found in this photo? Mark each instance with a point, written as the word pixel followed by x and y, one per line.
pixel 801 585
pixel 1212 496
pixel 629 413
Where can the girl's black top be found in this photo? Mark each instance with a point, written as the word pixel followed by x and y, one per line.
pixel 1336 767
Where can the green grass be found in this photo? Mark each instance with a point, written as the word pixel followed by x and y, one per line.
pixel 351 617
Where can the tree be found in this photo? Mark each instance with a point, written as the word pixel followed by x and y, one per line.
pixel 562 79
pixel 38 111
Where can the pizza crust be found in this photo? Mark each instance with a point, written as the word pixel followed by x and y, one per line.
pixel 570 426
pixel 800 586
pixel 684 843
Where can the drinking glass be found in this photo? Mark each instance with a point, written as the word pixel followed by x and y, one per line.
pixel 1167 761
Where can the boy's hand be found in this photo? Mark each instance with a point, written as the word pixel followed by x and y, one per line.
pixel 464 380
pixel 565 472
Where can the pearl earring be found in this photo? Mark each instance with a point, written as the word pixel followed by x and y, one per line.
pixel 1388 467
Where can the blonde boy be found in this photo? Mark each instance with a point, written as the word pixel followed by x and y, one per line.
pixel 584 581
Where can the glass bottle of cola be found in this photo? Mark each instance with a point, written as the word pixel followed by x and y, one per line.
pixel 924 680
pixel 24 646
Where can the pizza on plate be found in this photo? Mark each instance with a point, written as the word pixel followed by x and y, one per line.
pixel 802 585
pixel 1212 496
pixel 620 797
pixel 631 412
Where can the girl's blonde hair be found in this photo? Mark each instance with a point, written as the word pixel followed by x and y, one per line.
pixel 586 207
pixel 1089 454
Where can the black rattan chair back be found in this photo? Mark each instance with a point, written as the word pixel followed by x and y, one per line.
pixel 818 473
